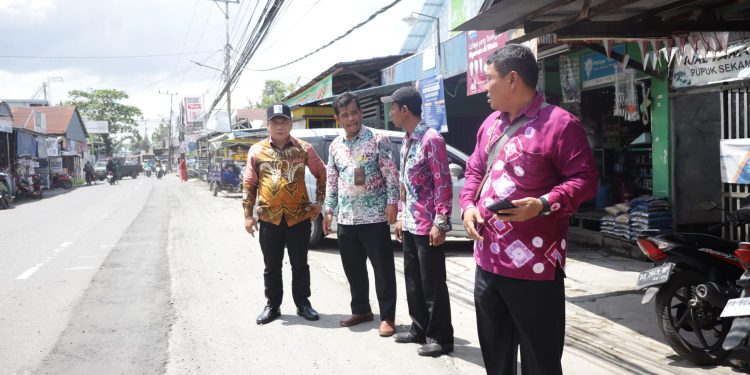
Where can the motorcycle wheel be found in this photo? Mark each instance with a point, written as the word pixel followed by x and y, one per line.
pixel 695 333
pixel 316 232
pixel 67 185
pixel 216 189
pixel 4 203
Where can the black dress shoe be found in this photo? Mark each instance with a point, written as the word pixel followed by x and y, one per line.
pixel 308 312
pixel 268 315
pixel 408 338
pixel 434 349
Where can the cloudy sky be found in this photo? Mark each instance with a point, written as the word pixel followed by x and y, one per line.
pixel 76 40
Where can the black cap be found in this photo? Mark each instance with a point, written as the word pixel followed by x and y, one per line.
pixel 408 96
pixel 275 110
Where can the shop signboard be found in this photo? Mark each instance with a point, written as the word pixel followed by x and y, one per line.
pixel 480 45
pixel 97 127
pixel 433 103
pixel 696 71
pixel 52 147
pixel 322 89
pixel 598 69
pixel 6 126
pixel 56 164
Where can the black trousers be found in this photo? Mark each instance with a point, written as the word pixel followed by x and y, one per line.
pixel 356 244
pixel 512 312
pixel 426 290
pixel 273 239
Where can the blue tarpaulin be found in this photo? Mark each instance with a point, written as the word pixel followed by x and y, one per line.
pixel 26 144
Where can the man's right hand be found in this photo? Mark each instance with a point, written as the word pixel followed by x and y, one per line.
pixel 327 219
pixel 399 232
pixel 251 225
pixel 471 218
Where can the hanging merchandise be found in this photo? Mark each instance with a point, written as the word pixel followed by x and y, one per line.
pixel 570 79
pixel 645 110
pixel 626 98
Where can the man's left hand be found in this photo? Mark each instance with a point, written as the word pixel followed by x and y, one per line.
pixel 391 211
pixel 526 209
pixel 437 236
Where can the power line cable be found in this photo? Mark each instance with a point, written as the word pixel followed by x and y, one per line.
pixel 381 10
pixel 105 57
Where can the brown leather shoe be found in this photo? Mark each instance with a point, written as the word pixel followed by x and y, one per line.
pixel 355 319
pixel 386 329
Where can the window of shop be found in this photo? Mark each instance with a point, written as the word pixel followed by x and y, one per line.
pixel 318 123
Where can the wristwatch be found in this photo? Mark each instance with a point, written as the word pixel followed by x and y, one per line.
pixel 442 222
pixel 546 210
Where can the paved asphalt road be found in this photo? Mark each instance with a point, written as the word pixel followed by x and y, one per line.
pixel 157 276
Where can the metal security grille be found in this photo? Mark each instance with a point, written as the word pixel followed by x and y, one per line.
pixel 735 125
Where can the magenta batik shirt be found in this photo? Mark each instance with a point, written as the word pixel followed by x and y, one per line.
pixel 548 156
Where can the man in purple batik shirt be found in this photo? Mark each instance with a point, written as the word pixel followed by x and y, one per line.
pixel 546 169
pixel 424 219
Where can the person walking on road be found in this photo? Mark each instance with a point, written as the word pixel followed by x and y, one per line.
pixel 183 169
pixel 362 185
pixel 426 196
pixel 275 175
pixel 537 157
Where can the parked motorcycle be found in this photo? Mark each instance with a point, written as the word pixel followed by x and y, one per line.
pixel 111 178
pixel 738 309
pixel 692 280
pixel 61 181
pixel 5 197
pixel 24 189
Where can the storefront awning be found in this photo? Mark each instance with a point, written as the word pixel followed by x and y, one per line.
pixel 377 91
pixel 610 18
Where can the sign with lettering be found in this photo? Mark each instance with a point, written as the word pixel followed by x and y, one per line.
pixel 698 71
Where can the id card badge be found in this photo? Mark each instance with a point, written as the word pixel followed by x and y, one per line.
pixel 359 176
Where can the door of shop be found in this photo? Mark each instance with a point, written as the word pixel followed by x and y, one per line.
pixel 735 125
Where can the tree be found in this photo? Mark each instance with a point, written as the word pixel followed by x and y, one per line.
pixel 160 136
pixel 106 105
pixel 275 90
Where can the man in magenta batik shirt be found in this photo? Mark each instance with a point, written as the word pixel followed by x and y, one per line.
pixel 546 169
pixel 424 219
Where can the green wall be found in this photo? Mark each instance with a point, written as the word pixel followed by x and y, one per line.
pixel 660 138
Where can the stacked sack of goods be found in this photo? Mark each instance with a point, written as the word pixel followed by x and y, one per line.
pixel 616 222
pixel 648 212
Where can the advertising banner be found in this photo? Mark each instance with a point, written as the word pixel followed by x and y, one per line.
pixel 598 69
pixel 692 70
pixel 320 90
pixel 55 164
pixel 480 45
pixel 433 103
pixel 193 110
pixel 96 127
pixel 735 158
pixel 6 126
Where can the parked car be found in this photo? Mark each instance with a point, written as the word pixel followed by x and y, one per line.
pixel 124 168
pixel 321 140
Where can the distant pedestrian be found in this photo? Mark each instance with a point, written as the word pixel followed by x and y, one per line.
pixel 363 188
pixel 426 197
pixel 536 156
pixel 275 175
pixel 183 170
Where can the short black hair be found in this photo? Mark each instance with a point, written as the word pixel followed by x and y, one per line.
pixel 415 111
pixel 344 100
pixel 516 57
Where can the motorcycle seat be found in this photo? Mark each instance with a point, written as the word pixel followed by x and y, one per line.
pixel 700 240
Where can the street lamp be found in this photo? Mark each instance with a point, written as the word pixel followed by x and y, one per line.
pixel 412 20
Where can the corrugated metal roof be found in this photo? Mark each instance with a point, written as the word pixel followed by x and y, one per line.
pixel 424 28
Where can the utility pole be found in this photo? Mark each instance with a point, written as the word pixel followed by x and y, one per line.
pixel 169 141
pixel 227 56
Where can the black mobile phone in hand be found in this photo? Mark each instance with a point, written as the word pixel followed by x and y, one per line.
pixel 501 204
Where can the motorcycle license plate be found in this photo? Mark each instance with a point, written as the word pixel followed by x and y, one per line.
pixel 736 307
pixel 655 276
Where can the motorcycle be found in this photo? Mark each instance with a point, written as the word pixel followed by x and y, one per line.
pixel 24 189
pixel 5 197
pixel 159 172
pixel 692 280
pixel 61 181
pixel 148 172
pixel 111 178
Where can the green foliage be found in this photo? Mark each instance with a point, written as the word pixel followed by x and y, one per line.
pixel 275 90
pixel 106 105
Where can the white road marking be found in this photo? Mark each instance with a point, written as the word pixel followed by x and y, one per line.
pixel 29 272
pixel 79 268
pixel 65 244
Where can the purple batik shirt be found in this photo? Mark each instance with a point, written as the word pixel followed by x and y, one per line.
pixel 427 182
pixel 549 156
